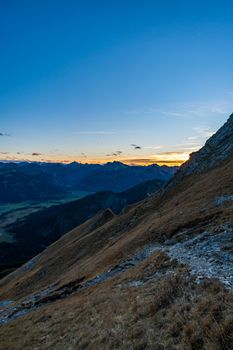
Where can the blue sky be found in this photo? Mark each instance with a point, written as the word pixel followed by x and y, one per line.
pixel 87 80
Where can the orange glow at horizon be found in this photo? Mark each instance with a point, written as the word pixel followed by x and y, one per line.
pixel 165 158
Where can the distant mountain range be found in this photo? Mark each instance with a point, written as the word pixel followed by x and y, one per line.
pixel 19 182
pixel 38 181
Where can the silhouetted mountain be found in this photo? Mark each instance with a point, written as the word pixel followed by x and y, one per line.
pixel 119 177
pixel 36 181
pixel 18 183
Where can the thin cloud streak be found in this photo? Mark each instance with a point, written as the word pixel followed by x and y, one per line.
pixel 164 158
pixel 114 154
pixel 36 154
pixel 4 134
pixel 152 147
pixel 135 146
pixel 187 110
pixel 149 161
pixel 101 132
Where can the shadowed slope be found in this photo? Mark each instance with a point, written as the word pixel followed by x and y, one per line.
pixel 38 230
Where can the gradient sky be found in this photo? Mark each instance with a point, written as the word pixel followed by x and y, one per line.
pixel 96 81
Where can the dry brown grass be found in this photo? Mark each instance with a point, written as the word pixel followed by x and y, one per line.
pixel 171 313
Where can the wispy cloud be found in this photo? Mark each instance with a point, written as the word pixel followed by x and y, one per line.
pixel 83 155
pixel 145 147
pixel 152 147
pixel 135 146
pixel 204 132
pixel 187 110
pixel 100 132
pixel 200 109
pixel 114 154
pixel 4 134
pixel 195 142
pixel 36 154
pixel 197 110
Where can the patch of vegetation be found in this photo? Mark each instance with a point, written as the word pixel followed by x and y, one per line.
pixel 172 313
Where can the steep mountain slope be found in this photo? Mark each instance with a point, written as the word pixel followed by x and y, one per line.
pixel 157 276
pixel 38 230
pixel 217 149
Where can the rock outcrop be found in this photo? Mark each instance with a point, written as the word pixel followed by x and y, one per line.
pixel 217 149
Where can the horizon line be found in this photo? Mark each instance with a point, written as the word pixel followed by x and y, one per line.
pixel 129 162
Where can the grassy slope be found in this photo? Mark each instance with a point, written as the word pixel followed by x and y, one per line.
pixel 155 316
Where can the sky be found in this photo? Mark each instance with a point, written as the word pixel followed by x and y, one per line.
pixel 95 81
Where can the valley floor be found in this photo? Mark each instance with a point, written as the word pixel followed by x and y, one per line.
pixel 12 212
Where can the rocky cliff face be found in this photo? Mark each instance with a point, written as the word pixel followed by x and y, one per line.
pixel 217 149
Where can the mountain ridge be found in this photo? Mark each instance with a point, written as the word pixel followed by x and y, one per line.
pixel 38 181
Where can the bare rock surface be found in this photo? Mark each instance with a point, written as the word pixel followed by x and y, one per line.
pixel 218 148
pixel 223 199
